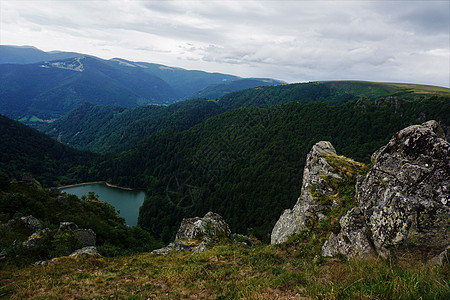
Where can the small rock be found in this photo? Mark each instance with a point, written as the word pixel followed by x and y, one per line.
pixel 91 250
pixel 68 226
pixel 3 254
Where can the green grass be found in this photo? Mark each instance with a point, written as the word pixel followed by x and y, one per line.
pixel 226 272
pixel 382 89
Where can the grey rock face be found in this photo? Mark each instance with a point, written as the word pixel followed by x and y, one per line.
pixel 199 232
pixel 307 209
pixel 67 226
pixel 405 197
pixel 85 236
pixel 211 225
pixel 176 246
pixel 90 250
pixel 33 224
pixel 353 239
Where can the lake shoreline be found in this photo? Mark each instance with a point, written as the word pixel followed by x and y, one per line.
pixel 95 182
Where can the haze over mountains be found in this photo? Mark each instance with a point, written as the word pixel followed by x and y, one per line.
pixel 49 84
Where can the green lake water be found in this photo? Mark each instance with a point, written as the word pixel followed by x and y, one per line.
pixel 128 202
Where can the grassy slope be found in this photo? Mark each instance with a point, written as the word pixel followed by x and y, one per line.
pixel 226 272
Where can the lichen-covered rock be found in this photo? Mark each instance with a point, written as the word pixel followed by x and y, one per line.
pixel 30 222
pixel 405 197
pixel 198 234
pixel 63 226
pixel 90 250
pixel 307 210
pixel 211 225
pixel 353 239
pixel 87 237
pixel 176 246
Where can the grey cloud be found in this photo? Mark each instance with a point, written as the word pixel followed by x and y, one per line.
pixel 424 17
pixel 289 40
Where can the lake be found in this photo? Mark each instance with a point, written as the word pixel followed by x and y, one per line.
pixel 128 202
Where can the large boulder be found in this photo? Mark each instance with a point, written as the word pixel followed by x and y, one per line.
pixel 211 225
pixel 404 200
pixel 87 237
pixel 198 234
pixel 307 209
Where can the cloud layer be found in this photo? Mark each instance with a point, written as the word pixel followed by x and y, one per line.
pixel 405 41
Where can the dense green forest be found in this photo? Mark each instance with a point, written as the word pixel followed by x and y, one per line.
pixel 246 164
pixel 23 149
pixel 106 129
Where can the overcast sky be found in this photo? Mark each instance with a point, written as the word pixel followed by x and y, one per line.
pixel 295 41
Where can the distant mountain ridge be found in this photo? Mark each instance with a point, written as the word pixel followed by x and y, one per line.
pixel 47 85
pixel 30 55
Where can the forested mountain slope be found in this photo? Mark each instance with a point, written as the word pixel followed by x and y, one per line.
pixel 246 164
pixel 110 128
pixel 218 90
pixel 23 149
pixel 114 132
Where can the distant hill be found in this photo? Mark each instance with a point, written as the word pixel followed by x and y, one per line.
pixel 23 149
pixel 118 130
pixel 218 90
pixel 30 55
pixel 332 92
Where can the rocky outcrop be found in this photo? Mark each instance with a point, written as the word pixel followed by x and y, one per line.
pixel 198 234
pixel 29 180
pixel 307 210
pixel 211 225
pixel 403 201
pixel 30 222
